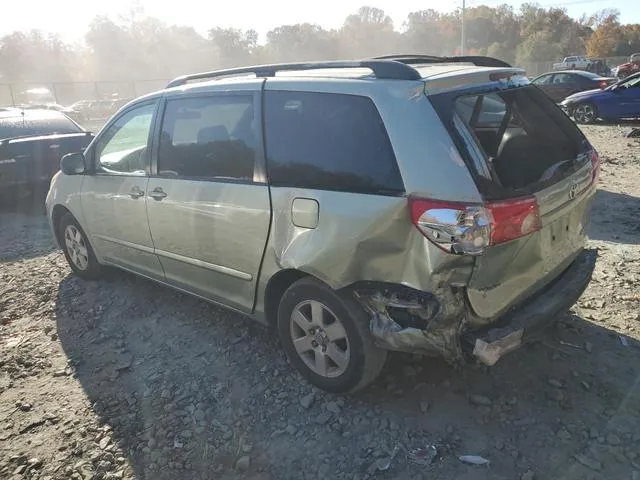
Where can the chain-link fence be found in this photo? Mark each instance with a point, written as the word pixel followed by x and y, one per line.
pixel 93 102
pixel 67 93
pixel 88 103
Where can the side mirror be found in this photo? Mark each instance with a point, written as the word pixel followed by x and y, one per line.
pixel 73 164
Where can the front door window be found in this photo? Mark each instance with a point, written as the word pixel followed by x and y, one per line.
pixel 122 149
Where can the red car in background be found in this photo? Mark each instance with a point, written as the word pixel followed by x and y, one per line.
pixel 629 68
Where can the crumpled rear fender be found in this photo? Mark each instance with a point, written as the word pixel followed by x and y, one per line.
pixel 363 239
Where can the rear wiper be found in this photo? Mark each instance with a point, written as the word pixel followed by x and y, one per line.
pixel 550 172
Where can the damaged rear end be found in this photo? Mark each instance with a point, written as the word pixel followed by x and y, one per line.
pixel 521 245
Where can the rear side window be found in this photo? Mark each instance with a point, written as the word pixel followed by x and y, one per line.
pixel 543 80
pixel 491 112
pixel 328 142
pixel 211 137
pixel 564 78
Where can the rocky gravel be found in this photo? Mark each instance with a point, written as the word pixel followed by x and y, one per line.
pixel 122 379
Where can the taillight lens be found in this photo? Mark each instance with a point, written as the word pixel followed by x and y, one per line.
pixel 454 227
pixel 595 167
pixel 469 229
pixel 513 219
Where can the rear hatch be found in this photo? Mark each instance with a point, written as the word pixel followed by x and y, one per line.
pixel 536 171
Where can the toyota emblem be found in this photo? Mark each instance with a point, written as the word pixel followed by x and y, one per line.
pixel 573 191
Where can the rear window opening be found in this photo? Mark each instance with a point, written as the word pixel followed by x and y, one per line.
pixel 519 141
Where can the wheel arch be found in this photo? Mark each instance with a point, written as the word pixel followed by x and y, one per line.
pixel 276 286
pixel 56 215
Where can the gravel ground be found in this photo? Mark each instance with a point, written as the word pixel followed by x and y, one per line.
pixel 123 378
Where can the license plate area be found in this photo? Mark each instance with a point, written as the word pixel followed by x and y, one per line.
pixel 562 238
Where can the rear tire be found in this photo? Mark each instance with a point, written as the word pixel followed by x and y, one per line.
pixel 585 113
pixel 326 337
pixel 77 249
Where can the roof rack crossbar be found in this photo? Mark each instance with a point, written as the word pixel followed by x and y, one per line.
pixel 383 69
pixel 417 59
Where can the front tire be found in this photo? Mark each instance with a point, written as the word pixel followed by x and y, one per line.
pixel 585 113
pixel 77 249
pixel 325 336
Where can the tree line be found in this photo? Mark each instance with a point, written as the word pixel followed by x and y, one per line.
pixel 141 47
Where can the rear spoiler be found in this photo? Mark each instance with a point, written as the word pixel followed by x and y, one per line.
pixel 477 60
pixel 24 138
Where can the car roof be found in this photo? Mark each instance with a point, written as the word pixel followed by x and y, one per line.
pixel 435 76
pixel 575 72
pixel 582 73
pixel 30 114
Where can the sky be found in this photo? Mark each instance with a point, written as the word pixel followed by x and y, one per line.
pixel 70 18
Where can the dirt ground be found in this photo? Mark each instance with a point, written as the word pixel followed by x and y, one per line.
pixel 122 378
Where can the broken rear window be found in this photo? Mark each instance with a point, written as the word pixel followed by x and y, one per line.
pixel 518 140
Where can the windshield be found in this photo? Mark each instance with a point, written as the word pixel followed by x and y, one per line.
pixel 630 82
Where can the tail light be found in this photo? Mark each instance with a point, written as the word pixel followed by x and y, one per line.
pixel 595 167
pixel 513 219
pixel 469 229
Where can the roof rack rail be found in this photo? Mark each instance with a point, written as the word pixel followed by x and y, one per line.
pixel 381 68
pixel 417 59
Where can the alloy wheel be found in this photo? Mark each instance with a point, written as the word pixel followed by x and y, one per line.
pixel 584 113
pixel 76 247
pixel 320 339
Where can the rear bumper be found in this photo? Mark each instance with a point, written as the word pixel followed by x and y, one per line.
pixel 518 326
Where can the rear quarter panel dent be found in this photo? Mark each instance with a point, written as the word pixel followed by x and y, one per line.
pixel 359 237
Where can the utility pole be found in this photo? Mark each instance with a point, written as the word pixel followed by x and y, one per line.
pixel 462 39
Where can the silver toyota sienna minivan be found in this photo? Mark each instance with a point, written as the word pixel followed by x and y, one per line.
pixel 421 204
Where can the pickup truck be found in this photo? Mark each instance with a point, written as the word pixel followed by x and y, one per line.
pixel 629 68
pixel 32 142
pixel 573 63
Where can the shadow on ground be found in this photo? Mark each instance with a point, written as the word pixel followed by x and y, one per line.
pixel 189 388
pixel 24 232
pixel 615 218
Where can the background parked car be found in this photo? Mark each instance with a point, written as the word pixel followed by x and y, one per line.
pixel 620 100
pixel 578 62
pixel 95 109
pixel 69 111
pixel 559 85
pixel 31 145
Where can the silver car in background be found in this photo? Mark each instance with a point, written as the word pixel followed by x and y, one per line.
pixel 421 204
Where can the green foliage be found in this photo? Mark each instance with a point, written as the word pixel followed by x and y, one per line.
pixel 141 47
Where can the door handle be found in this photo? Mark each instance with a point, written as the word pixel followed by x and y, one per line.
pixel 136 192
pixel 157 193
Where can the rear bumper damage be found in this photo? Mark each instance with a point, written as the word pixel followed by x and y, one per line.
pixel 409 320
pixel 524 322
